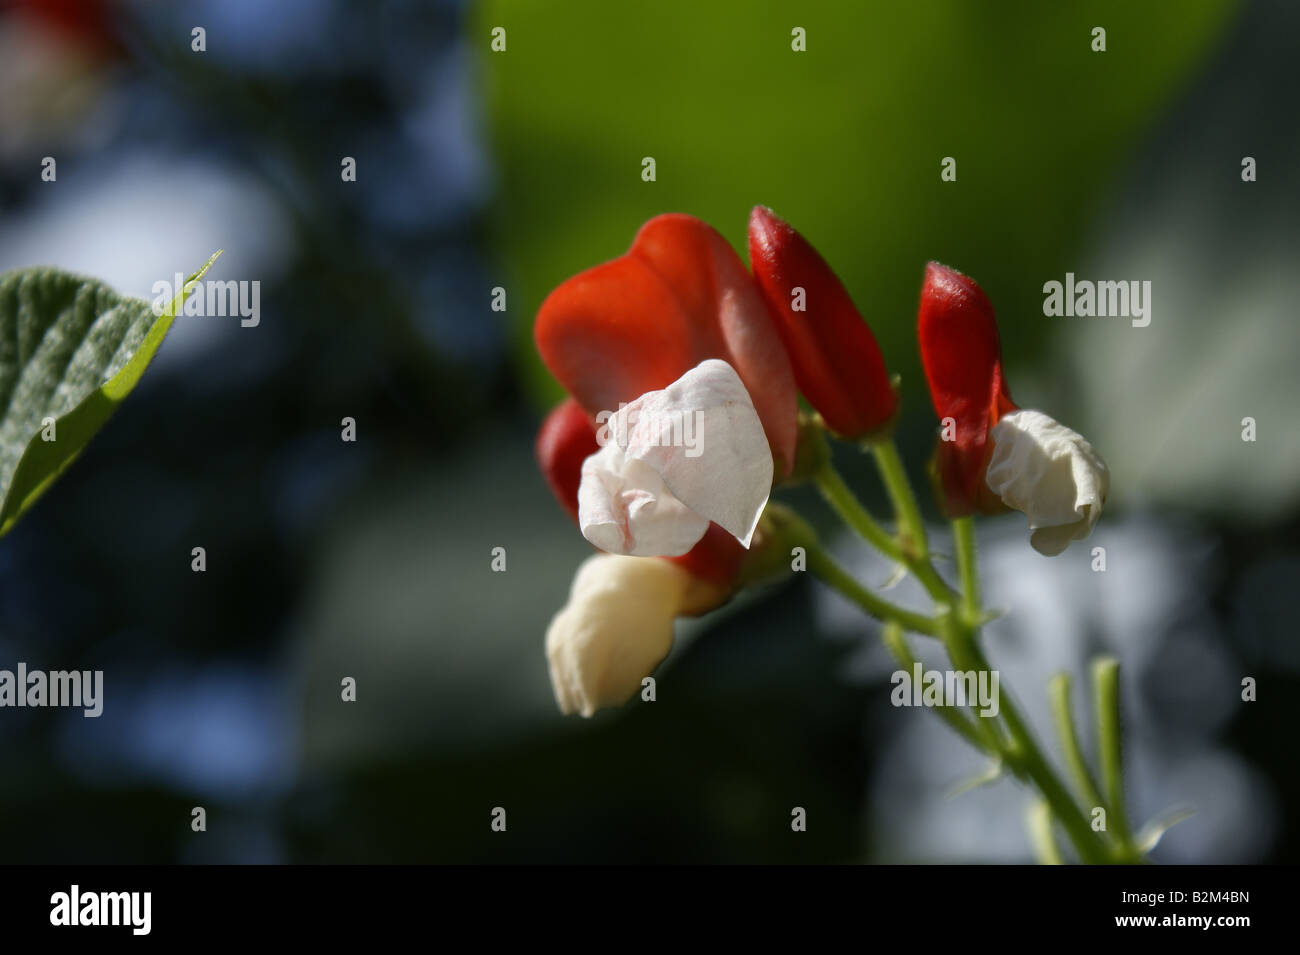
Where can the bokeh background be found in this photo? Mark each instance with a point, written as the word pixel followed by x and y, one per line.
pixel 517 169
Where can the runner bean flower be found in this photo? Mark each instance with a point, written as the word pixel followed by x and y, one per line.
pixel 674 330
pixel 681 368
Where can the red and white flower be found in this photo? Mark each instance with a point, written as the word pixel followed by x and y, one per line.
pixel 675 326
pixel 992 455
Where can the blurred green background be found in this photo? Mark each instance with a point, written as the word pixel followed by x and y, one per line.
pixel 844 140
pixel 518 169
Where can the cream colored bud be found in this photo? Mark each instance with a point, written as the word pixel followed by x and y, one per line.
pixel 618 626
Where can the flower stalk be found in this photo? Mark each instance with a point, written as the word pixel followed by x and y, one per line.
pixel 850 510
pixel 1105 679
pixel 955 622
pixel 892 636
pixel 1058 692
pixel 837 578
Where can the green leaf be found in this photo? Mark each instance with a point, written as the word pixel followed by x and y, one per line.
pixel 71 349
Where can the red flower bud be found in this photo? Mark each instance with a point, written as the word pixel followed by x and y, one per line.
pixel 962 356
pixel 836 360
pixel 564 441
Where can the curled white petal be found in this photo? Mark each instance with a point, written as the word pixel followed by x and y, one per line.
pixel 615 629
pixel 678 458
pixel 1051 474
pixel 624 507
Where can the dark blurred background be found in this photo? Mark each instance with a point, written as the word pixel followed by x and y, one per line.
pixel 478 169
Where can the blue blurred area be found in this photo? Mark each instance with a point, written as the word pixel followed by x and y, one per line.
pixel 222 730
pixel 372 307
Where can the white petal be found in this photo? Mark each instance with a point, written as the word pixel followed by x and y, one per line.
pixel 1051 474
pixel 692 453
pixel 624 507
pixel 615 629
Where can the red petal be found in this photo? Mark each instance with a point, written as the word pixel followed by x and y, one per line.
pixel 716 558
pixel 565 439
pixel 836 360
pixel 962 356
pixel 612 333
pixel 637 324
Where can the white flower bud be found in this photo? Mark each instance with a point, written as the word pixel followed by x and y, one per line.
pixel 618 626
pixel 1051 474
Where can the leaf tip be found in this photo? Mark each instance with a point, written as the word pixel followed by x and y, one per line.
pixel 204 268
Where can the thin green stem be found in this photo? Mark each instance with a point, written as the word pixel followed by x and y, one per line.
pixel 850 509
pixel 914 548
pixel 963 535
pixel 833 575
pixel 956 623
pixel 1023 752
pixel 959 651
pixel 911 529
pixel 892 635
pixel 1042 835
pixel 1105 678
pixel 1058 693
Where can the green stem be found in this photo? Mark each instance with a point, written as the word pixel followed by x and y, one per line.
pixel 957 624
pixel 892 635
pixel 833 575
pixel 911 529
pixel 1023 752
pixel 913 545
pixel 963 534
pixel 959 651
pixel 1041 834
pixel 1105 678
pixel 850 509
pixel 1058 692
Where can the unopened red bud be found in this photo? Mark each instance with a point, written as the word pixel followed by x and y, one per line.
pixel 837 363
pixel 962 356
